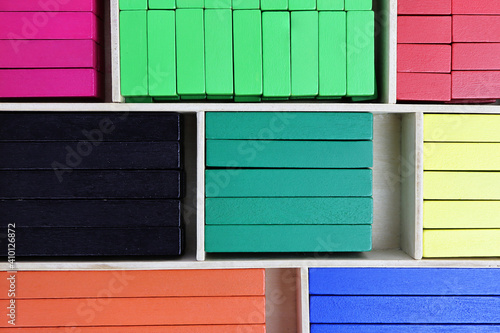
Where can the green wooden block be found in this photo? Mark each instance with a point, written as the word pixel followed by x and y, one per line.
pixel 276 54
pixel 139 99
pixel 162 80
pixel 289 154
pixel 133 53
pixel 366 98
pixel 133 4
pixel 289 125
pixel 332 54
pixel 190 42
pixel 218 4
pixel 246 4
pixel 288 238
pixel 247 37
pixel 166 99
pixel 358 5
pixel 256 183
pixel 360 53
pixel 161 4
pixel 274 4
pixel 301 4
pixel 198 4
pixel 330 4
pixel 219 53
pixel 288 211
pixel 304 35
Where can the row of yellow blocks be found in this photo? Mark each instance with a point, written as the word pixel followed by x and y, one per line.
pixel 461 185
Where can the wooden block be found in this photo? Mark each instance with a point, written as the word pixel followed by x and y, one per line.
pixel 360 55
pixel 288 126
pixel 461 185
pixel 276 55
pixel 91 213
pixel 287 238
pixel 424 58
pixel 95 127
pixel 288 154
pixel 332 54
pixel 472 101
pixel 219 53
pixel 247 39
pixel 301 5
pixel 461 128
pixel 152 329
pixel 218 4
pixel 476 56
pixel 404 281
pixel 462 243
pixel 475 84
pixel 132 284
pixel 287 211
pixel 133 4
pixel 424 7
pixel 404 309
pixel 190 48
pixel 161 4
pixel 162 79
pixel 380 328
pixel 43 82
pixel 93 6
pixel 246 4
pixel 423 87
pixel 462 156
pixel 197 4
pixel 424 29
pixel 483 7
pixel 461 214
pixel 330 5
pixel 77 242
pixel 133 53
pixel 358 4
pixel 304 53
pixel 274 4
pixel 476 28
pixel 140 311
pixel 79 184
pixel 287 183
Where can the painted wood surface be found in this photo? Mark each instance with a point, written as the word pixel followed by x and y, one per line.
pixel 379 328
pixel 424 58
pixel 462 156
pixel 476 56
pixel 475 84
pixel 461 128
pixel 476 28
pixel 49 6
pixel 483 7
pixel 461 185
pixel 424 87
pixel 424 7
pixel 424 29
pixel 461 243
pixel 461 214
pixel 147 329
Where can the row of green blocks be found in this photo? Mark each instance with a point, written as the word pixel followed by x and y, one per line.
pixel 247 55
pixel 288 182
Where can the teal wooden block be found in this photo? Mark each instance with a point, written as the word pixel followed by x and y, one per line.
pixel 289 154
pixel 161 4
pixel 287 238
pixel 288 211
pixel 133 4
pixel 218 4
pixel 301 5
pixel 274 4
pixel 289 125
pixel 256 183
pixel 358 5
pixel 330 4
pixel 199 4
pixel 246 4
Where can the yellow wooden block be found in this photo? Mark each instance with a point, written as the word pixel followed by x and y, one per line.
pixel 461 185
pixel 461 214
pixel 461 243
pixel 462 156
pixel 461 128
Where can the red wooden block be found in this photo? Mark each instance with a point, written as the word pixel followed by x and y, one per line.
pixel 424 29
pixel 476 28
pixel 424 87
pixel 424 58
pixel 476 84
pixel 472 101
pixel 483 7
pixel 424 7
pixel 476 56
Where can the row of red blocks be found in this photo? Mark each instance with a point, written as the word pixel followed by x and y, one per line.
pixel 51 48
pixel 449 50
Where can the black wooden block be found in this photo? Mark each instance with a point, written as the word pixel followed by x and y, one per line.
pixel 90 213
pixel 94 127
pixel 87 155
pixel 78 184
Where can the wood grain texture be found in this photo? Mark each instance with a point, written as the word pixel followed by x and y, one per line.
pixel 149 329
pixel 482 7
pixel 424 7
pixel 476 56
pixel 461 128
pixel 476 28
pixel 424 58
pixel 424 87
pixel 424 29
pixel 379 328
pixel 462 156
pixel 461 214
pixel 462 243
pixel 475 84
pixel 461 185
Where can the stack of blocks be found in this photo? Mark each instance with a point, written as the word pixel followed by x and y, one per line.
pixel 177 301
pixel 288 182
pixel 100 184
pixel 50 49
pixel 449 50
pixel 246 50
pixel 404 300
pixel 461 185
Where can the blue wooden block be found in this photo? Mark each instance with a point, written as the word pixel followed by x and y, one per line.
pixel 404 281
pixel 324 328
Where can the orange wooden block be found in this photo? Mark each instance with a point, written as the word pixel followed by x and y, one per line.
pixel 145 329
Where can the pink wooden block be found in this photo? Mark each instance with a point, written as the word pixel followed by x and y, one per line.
pixel 424 87
pixel 94 6
pixel 476 28
pixel 483 7
pixel 476 56
pixel 472 101
pixel 39 25
pixel 26 83
pixel 424 29
pixel 83 53
pixel 476 84
pixel 424 7
pixel 424 58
